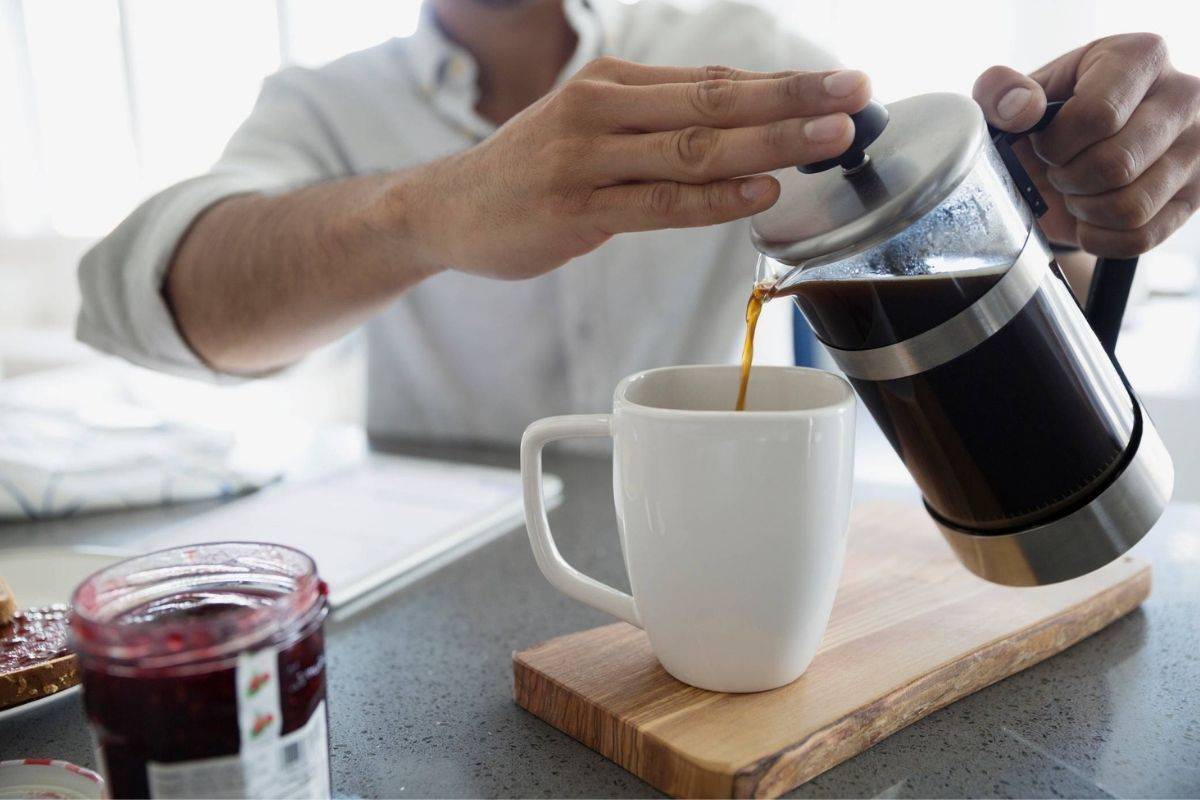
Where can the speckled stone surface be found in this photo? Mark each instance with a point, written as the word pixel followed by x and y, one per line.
pixel 420 695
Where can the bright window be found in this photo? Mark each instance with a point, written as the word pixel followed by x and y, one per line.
pixel 107 101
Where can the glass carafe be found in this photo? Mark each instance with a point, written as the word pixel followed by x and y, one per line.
pixel 918 264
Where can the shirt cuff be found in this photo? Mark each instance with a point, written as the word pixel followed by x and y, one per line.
pixel 124 311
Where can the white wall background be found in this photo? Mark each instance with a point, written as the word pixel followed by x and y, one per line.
pixel 106 101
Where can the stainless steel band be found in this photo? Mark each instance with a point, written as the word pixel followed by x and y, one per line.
pixel 960 333
pixel 1085 539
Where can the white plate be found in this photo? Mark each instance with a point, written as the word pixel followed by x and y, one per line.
pixel 43 575
pixel 35 777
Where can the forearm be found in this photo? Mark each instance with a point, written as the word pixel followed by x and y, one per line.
pixel 620 147
pixel 258 281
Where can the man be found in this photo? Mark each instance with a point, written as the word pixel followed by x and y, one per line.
pixel 498 198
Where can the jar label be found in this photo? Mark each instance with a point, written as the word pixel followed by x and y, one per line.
pixel 295 765
pixel 260 718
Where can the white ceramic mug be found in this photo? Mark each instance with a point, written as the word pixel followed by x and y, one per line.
pixel 733 524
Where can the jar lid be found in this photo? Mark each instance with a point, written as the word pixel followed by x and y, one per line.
pixel 926 149
pixel 44 777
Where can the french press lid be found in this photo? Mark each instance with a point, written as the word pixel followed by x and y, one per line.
pixel 923 148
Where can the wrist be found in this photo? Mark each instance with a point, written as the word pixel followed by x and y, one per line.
pixel 403 211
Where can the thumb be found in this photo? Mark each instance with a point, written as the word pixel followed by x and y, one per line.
pixel 1010 101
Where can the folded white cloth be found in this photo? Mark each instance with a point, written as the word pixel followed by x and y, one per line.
pixel 63 460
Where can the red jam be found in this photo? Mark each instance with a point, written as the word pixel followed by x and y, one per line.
pixel 33 636
pixel 171 647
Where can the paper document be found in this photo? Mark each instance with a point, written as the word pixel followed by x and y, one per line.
pixel 373 523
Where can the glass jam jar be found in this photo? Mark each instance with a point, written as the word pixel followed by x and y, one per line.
pixel 204 672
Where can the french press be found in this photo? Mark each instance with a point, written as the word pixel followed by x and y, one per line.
pixel 916 260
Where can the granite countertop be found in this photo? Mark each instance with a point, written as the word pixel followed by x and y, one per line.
pixel 420 683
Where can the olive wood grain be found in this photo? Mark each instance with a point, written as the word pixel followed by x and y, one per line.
pixel 911 632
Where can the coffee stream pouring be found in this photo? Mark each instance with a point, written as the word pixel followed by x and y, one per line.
pixel 917 261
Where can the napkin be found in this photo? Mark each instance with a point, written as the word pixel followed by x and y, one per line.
pixel 80 457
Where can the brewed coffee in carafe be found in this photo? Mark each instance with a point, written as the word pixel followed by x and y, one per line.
pixel 916 262
pixel 1003 436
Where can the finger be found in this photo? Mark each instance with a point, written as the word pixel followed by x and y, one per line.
pixel 1119 160
pixel 701 155
pixel 1057 77
pixel 1127 244
pixel 728 104
pixel 631 73
pixel 1010 101
pixel 665 204
pixel 1133 206
pixel 1112 76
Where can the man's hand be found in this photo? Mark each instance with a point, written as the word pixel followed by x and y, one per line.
pixel 259 280
pixel 623 147
pixel 1120 164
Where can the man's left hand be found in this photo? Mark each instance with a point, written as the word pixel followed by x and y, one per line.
pixel 1120 164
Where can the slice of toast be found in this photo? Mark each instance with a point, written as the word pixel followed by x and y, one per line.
pixel 38 680
pixel 34 658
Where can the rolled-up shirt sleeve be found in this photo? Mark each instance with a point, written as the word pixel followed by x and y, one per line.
pixel 283 144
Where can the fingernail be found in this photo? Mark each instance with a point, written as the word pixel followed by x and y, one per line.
pixel 825 129
pixel 844 83
pixel 753 188
pixel 1013 102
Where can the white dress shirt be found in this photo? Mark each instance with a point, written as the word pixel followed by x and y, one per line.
pixel 460 356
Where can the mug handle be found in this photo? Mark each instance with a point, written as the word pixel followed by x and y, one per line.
pixel 562 575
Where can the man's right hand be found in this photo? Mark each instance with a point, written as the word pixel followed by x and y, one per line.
pixel 621 147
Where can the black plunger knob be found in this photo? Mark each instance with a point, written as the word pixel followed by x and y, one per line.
pixel 868 124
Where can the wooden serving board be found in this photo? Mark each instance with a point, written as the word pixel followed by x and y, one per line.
pixel 912 631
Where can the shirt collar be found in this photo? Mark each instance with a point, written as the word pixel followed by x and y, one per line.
pixel 583 17
pixel 441 65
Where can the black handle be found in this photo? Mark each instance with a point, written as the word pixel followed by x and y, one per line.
pixel 1107 297
pixel 1112 278
pixel 868 124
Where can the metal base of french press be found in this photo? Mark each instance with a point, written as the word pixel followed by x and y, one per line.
pixel 1084 540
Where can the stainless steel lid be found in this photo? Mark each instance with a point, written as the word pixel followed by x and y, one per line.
pixel 928 147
